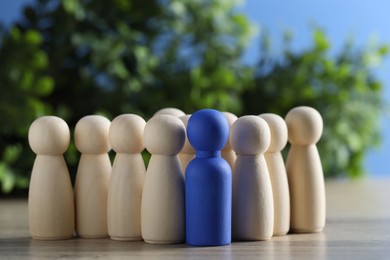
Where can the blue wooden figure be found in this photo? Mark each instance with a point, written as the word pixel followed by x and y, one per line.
pixel 208 181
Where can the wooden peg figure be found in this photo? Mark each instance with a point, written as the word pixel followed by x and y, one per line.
pixel 208 181
pixel 162 208
pixel 253 207
pixel 188 152
pixel 227 152
pixel 93 176
pixel 50 199
pixel 127 178
pixel 277 172
pixel 170 111
pixel 304 170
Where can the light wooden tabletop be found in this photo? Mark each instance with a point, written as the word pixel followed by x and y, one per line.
pixel 358 227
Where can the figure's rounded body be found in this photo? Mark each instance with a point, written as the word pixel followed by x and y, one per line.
pixel 304 170
pixel 50 199
pixel 280 191
pixel 163 203
pixel 277 172
pixel 127 178
pixel 124 197
pixel 208 181
pixel 162 207
pixel 253 208
pixel 208 200
pixel 93 176
pixel 307 189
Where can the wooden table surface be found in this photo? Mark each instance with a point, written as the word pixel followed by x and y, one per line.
pixel 358 227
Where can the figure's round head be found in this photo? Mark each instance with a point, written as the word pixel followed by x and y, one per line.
pixel 126 134
pixel 164 135
pixel 187 148
pixel 278 129
pixel 170 111
pixel 49 135
pixel 91 135
pixel 250 135
pixel 208 130
pixel 304 125
pixel 231 118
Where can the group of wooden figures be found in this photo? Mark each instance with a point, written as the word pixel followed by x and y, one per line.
pixel 212 177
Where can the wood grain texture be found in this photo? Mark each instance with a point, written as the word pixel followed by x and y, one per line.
pixel 51 203
pixel 227 152
pixel 162 206
pixel 280 192
pixel 277 172
pixel 253 204
pixel 188 152
pixel 127 178
pixel 358 227
pixel 93 176
pixel 304 170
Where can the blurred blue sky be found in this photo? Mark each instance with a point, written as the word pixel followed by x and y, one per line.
pixel 362 20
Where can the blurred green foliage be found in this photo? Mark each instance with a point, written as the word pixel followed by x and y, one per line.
pixel 72 58
pixel 24 86
pixel 341 86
